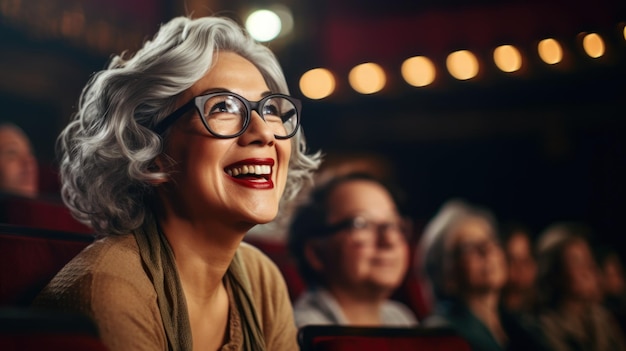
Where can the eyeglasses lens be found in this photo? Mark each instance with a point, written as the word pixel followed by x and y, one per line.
pixel 226 115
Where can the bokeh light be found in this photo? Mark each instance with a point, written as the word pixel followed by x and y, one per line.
pixel 263 25
pixel 593 45
pixel 367 78
pixel 550 51
pixel 285 16
pixel 462 64
pixel 317 83
pixel 418 71
pixel 507 58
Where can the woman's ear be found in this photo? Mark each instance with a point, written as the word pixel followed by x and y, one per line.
pixel 155 167
pixel 312 256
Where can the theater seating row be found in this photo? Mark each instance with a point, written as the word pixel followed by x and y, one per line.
pixel 43 237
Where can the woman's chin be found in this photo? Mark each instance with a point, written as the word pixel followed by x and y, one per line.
pixel 262 217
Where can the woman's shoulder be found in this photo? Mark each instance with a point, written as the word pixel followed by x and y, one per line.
pixel 271 300
pixel 256 261
pixel 107 262
pixel 117 254
pixel 397 313
pixel 263 274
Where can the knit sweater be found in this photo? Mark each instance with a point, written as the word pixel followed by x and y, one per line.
pixel 108 283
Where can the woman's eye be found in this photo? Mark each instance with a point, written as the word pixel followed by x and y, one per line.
pixel 271 110
pixel 223 107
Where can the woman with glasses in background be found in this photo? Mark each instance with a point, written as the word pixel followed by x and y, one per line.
pixel 350 243
pixel 466 267
pixel 173 155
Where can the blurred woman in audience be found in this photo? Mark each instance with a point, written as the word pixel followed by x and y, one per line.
pixel 173 155
pixel 569 293
pixel 350 243
pixel 18 165
pixel 466 265
pixel 518 292
pixel 613 283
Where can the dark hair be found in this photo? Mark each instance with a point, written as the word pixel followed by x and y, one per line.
pixel 309 220
pixel 550 266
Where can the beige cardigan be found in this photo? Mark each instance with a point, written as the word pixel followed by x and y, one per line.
pixel 108 283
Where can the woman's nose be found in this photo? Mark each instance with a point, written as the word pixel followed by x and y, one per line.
pixel 258 131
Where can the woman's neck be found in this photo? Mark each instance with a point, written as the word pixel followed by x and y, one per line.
pixel 203 253
pixel 485 307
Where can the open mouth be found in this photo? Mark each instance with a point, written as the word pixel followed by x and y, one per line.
pixel 250 172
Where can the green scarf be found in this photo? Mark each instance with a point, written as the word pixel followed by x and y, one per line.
pixel 160 264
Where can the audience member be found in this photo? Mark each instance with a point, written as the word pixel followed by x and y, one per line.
pixel 18 165
pixel 518 292
pixel 350 243
pixel 173 155
pixel 613 283
pixel 569 294
pixel 463 259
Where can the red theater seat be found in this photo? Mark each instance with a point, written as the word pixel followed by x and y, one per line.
pixel 343 338
pixel 278 253
pixel 49 182
pixel 30 257
pixel 44 213
pixel 24 329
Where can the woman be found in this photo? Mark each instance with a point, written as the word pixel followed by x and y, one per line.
pixel 351 247
pixel 173 156
pixel 570 296
pixel 519 290
pixel 466 267
pixel 18 165
pixel 613 283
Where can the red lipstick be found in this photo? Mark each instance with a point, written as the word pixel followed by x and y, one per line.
pixel 255 173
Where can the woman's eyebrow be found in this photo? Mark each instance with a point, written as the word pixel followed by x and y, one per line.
pixel 215 90
pixel 224 90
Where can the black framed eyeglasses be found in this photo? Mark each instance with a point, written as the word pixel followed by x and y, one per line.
pixel 227 115
pixel 367 230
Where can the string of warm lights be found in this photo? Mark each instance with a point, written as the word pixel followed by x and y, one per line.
pixel 463 65
pixel 77 22
pixel 81 24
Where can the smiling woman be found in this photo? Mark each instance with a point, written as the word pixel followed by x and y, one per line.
pixel 351 246
pixel 173 155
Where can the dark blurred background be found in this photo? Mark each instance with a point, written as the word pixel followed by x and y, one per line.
pixel 541 145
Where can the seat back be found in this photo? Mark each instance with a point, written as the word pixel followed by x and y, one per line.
pixel 278 253
pixel 26 329
pixel 346 338
pixel 44 213
pixel 30 258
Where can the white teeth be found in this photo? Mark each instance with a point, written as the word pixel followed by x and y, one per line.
pixel 249 169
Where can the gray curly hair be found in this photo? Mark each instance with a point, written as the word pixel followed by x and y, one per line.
pixel 108 147
pixel 433 252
